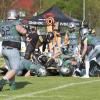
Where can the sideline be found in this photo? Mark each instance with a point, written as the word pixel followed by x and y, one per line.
pixel 15 97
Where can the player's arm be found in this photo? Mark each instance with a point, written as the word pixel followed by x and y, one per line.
pixel 21 29
pixel 28 74
pixel 66 39
pixel 84 48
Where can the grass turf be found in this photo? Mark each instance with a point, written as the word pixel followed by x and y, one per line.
pixel 1 62
pixel 53 88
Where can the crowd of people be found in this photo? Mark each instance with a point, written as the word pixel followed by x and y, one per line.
pixel 80 43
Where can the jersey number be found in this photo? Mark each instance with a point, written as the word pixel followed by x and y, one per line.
pixel 5 30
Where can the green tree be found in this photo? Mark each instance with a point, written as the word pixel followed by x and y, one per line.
pixel 93 12
pixel 71 7
pixel 4 6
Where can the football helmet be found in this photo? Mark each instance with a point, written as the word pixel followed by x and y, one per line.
pixel 84 32
pixel 41 72
pixel 12 14
pixel 65 71
pixel 72 27
pixel 42 59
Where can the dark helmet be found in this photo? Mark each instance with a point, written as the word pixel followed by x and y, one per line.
pixel 51 62
pixel 43 59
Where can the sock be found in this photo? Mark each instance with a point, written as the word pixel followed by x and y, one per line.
pixel 87 66
pixel 3 81
pixel 5 78
pixel 12 85
pixel 11 81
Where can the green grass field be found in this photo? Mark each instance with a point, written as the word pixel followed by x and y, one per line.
pixel 53 88
pixel 1 61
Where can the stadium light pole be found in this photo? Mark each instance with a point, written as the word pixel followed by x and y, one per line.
pixel 83 10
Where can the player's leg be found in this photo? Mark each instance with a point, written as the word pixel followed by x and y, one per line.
pixel 13 57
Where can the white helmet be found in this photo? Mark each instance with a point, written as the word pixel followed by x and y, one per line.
pixel 72 25
pixel 84 32
pixel 65 71
pixel 12 14
pixel 41 72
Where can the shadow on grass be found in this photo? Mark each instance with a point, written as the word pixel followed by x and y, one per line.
pixel 20 85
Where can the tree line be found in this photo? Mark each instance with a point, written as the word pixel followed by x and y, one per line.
pixel 72 8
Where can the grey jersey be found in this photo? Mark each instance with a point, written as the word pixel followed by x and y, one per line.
pixel 96 41
pixel 93 40
pixel 9 32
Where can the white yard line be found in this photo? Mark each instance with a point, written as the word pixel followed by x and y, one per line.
pixel 15 97
pixel 43 96
pixel 3 95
